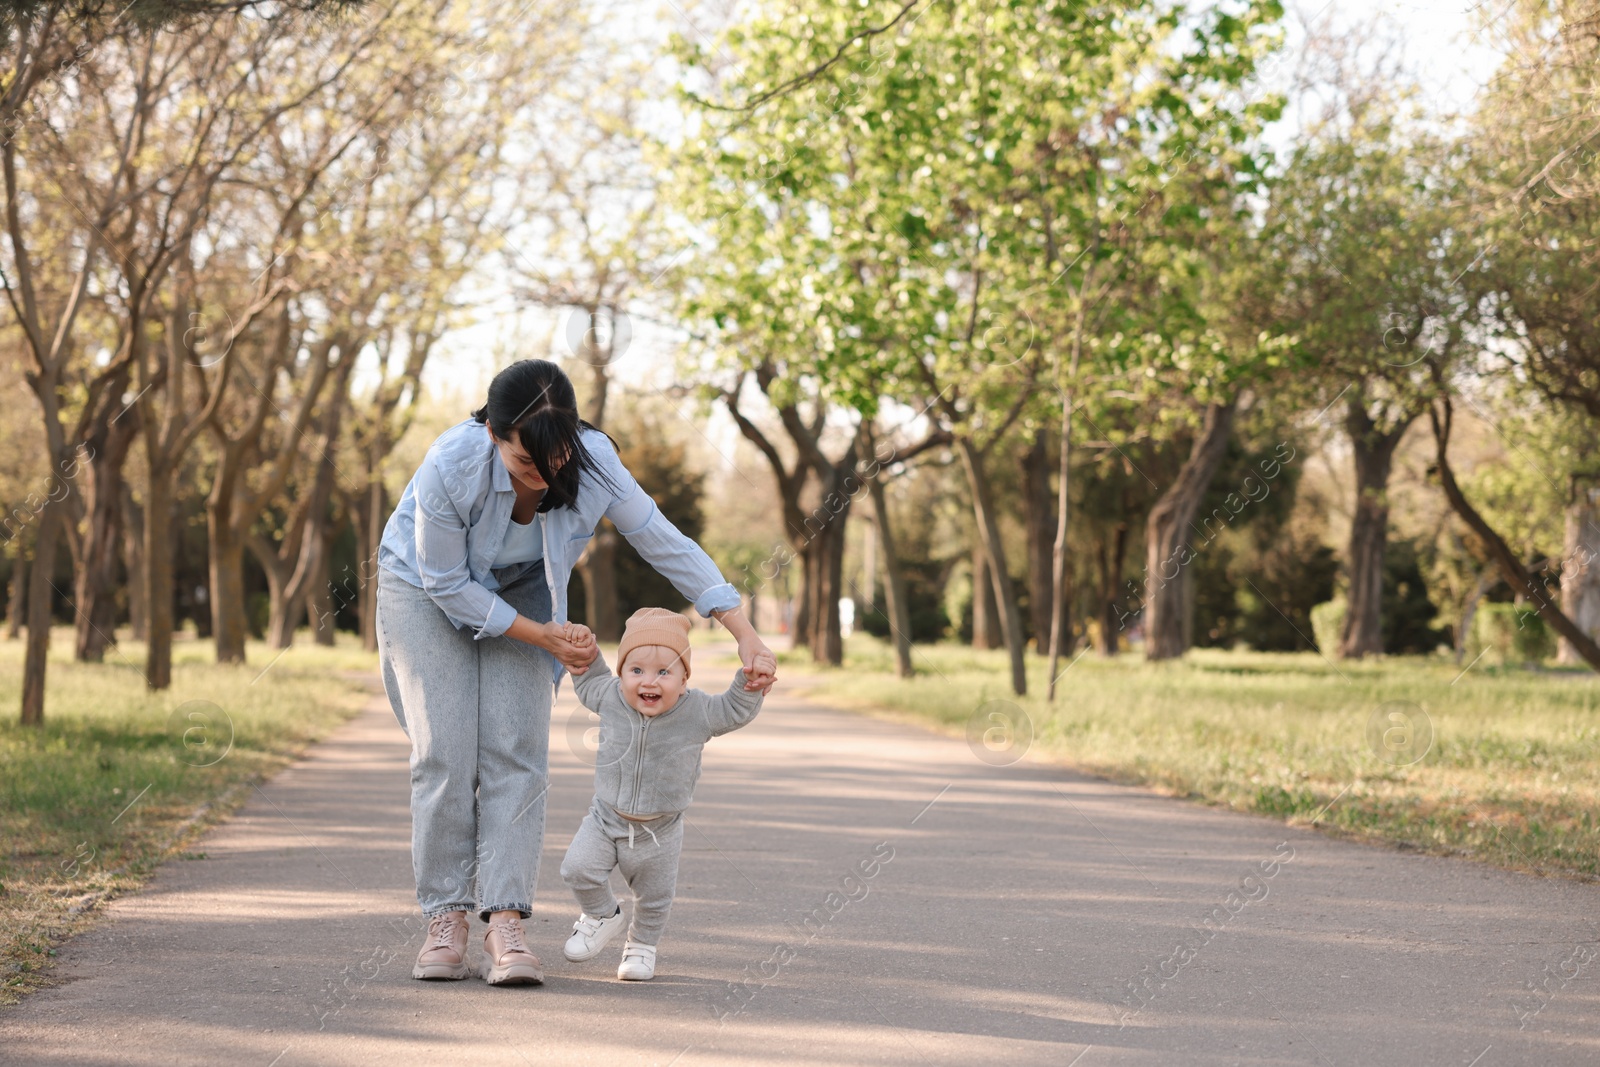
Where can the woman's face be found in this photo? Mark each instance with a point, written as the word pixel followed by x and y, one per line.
pixel 520 465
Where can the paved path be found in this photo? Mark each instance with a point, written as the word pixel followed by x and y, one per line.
pixel 1014 915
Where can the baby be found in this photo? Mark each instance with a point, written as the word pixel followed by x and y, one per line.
pixel 652 728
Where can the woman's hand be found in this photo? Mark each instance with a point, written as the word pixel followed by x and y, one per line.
pixel 572 643
pixel 760 665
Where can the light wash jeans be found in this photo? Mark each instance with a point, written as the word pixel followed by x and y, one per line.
pixel 478 715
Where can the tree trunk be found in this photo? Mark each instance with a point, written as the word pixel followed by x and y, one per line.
pixel 37 656
pixel 999 574
pixel 133 566
pixel 158 578
pixel 1580 569
pixel 18 597
pixel 800 606
pixel 894 585
pixel 97 577
pixel 311 568
pixel 985 626
pixel 1167 530
pixel 599 570
pixel 1511 568
pixel 1373 452
pixel 1112 618
pixel 599 564
pixel 319 591
pixel 373 518
pixel 229 624
pixel 266 554
pixel 1039 513
pixel 1060 575
pixel 293 594
pixel 827 646
pixel 818 624
pixel 869 568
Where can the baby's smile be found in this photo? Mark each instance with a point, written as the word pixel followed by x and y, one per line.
pixel 653 678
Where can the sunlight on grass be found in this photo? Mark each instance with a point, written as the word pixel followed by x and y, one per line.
pixel 90 803
pixel 1512 775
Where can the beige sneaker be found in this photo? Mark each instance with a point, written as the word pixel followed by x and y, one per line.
pixel 445 954
pixel 509 961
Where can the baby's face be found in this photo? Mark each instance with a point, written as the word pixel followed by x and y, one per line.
pixel 653 678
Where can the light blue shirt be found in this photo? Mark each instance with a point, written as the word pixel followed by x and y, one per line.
pixel 523 543
pixel 451 522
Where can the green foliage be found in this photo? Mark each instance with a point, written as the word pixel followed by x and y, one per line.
pixel 1407 609
pixel 925 604
pixel 1257 571
pixel 1327 620
pixel 1536 198
pixel 1263 601
pixel 1509 634
pixel 1524 495
pixel 897 226
pixel 1362 236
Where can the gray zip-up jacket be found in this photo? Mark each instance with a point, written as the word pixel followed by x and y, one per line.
pixel 647 766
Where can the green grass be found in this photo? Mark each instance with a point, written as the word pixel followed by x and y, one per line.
pixel 1512 776
pixel 109 787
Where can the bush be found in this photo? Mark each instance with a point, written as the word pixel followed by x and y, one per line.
pixel 925 605
pixel 257 613
pixel 1510 633
pixel 1407 608
pixel 1327 619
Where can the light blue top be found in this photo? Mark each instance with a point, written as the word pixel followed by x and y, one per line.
pixel 451 522
pixel 523 543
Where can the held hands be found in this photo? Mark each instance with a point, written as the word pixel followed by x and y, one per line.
pixel 760 665
pixel 572 643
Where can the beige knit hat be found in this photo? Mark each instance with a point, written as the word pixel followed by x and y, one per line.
pixel 655 626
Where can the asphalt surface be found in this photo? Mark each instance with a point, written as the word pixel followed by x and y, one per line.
pixel 853 891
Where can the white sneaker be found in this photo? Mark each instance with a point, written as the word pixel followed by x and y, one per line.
pixel 590 935
pixel 638 962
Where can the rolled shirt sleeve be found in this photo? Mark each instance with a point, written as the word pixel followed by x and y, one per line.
pixel 676 557
pixel 442 559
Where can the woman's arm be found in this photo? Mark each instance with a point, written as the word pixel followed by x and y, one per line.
pixel 683 562
pixel 441 548
pixel 441 532
pixel 760 665
pixel 675 557
pixel 572 643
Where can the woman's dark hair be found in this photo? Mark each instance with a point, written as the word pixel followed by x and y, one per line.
pixel 532 403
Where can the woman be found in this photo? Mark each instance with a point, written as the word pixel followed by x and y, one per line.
pixel 473 640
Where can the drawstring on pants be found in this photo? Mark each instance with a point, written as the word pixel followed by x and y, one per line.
pixel 652 833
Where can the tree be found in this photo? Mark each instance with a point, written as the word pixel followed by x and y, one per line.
pixel 1361 231
pixel 590 218
pixel 1538 195
pixel 886 214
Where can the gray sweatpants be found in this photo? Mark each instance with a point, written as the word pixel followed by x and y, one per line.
pixel 647 853
pixel 478 715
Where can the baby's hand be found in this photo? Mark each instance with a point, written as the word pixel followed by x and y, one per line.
pixel 578 634
pixel 763 669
